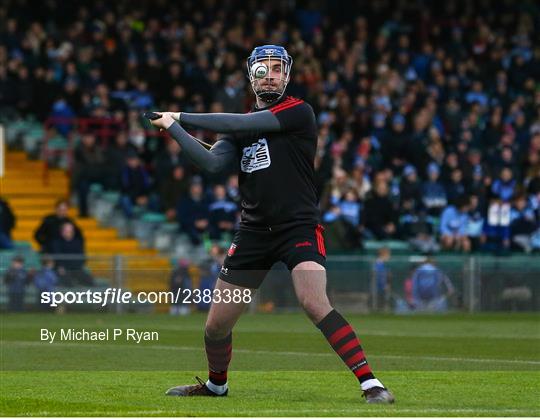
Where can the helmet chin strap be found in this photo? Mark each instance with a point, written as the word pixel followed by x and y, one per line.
pixel 269 96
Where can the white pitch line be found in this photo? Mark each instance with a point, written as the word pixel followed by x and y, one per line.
pixel 122 347
pixel 364 410
pixel 364 332
pixel 367 332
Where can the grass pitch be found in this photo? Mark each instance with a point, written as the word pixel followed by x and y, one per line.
pixel 454 365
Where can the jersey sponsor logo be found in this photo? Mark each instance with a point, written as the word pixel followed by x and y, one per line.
pixel 255 157
pixel 224 271
pixel 232 250
pixel 306 243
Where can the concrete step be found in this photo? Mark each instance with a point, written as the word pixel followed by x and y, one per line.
pixel 39 213
pixel 32 224
pixel 116 245
pixel 38 201
pixel 21 234
pixel 12 190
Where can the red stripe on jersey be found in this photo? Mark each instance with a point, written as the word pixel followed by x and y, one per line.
pixel 288 99
pixel 285 102
pixel 339 334
pixel 286 105
pixel 282 105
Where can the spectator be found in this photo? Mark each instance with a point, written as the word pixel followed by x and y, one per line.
pixel 172 189
pixel 344 218
pixel 62 115
pixel 232 95
pixel 116 156
pixel 69 255
pixel 16 279
pixel 233 190
pixel 89 168
pixel 475 222
pixel 504 186
pixel 45 281
pixel 523 223
pixel 455 188
pixel 496 235
pixel 7 223
pixel 380 216
pixel 428 282
pixel 49 229
pixel 335 189
pixel 433 192
pixel 193 212
pixel 453 228
pixel 416 227
pixel 180 284
pixel 135 183
pixel 394 145
pixel 209 273
pixel 410 187
pixel 383 278
pixel 223 214
pixel 166 161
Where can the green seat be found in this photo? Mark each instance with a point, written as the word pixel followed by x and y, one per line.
pixel 96 188
pixel 151 217
pixel 57 143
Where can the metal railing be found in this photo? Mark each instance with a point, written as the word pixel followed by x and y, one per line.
pixel 480 283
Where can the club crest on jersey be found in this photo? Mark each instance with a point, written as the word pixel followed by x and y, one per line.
pixel 232 250
pixel 255 157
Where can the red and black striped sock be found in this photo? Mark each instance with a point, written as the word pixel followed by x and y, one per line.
pixel 218 353
pixel 343 340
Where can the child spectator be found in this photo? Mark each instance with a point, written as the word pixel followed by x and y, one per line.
pixel 453 228
pixel 45 280
pixel 16 279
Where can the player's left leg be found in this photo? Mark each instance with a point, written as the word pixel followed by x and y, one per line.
pixel 309 279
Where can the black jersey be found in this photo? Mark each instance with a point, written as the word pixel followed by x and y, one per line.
pixel 276 169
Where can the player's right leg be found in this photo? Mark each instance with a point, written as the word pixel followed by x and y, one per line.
pixel 223 315
pixel 242 273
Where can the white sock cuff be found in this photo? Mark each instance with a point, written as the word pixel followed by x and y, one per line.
pixel 370 383
pixel 216 389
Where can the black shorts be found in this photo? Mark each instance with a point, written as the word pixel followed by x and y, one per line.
pixel 252 253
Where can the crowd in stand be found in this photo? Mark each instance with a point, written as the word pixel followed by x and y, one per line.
pixel 428 113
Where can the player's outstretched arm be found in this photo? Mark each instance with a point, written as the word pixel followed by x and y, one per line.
pixel 230 123
pixel 220 156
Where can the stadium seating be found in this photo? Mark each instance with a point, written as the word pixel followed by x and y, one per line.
pixel 32 195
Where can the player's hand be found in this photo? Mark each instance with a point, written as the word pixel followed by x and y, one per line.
pixel 164 122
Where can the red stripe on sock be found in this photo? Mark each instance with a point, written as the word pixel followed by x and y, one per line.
pixel 339 334
pixel 348 346
pixel 364 370
pixel 354 358
pixel 219 376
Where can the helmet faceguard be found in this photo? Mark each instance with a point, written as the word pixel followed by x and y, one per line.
pixel 265 54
